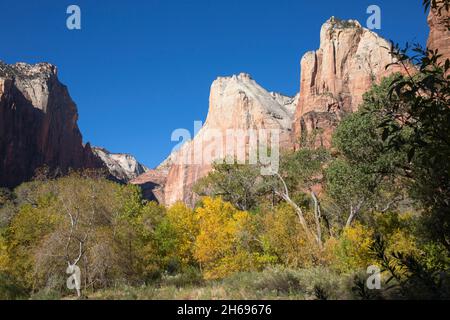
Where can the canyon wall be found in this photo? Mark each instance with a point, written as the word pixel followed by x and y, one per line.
pixel 439 37
pixel 123 167
pixel 335 77
pixel 38 124
pixel 333 80
pixel 237 104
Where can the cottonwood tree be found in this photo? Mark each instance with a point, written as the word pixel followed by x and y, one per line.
pixel 364 175
pixel 416 122
pixel 241 185
pixel 301 172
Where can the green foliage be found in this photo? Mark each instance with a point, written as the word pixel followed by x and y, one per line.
pixel 353 249
pixel 176 236
pixel 415 122
pixel 10 289
pixel 5 196
pixel 285 240
pixel 303 169
pixel 408 277
pixel 105 228
pixel 364 175
pixel 241 185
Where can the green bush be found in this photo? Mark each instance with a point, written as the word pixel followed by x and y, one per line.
pixel 10 289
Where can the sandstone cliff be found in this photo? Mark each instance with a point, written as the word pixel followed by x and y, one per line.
pixel 335 77
pixel 123 167
pixel 237 103
pixel 38 124
pixel 439 38
pixel 333 80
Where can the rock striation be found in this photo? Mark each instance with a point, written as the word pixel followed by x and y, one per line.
pixel 335 77
pixel 38 124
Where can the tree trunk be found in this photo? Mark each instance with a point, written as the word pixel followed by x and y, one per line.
pixel 317 217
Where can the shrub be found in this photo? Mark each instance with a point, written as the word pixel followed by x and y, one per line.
pixel 353 251
pixel 10 289
pixel 225 243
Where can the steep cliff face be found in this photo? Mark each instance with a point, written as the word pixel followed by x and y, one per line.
pixel 333 80
pixel 237 103
pixel 439 38
pixel 38 124
pixel 124 167
pixel 152 184
pixel 335 77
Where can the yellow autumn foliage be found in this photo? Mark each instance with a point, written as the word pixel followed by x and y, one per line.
pixel 4 259
pixel 185 227
pixel 353 250
pixel 224 243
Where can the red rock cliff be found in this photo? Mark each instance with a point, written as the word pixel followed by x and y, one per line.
pixel 439 38
pixel 335 77
pixel 237 103
pixel 38 124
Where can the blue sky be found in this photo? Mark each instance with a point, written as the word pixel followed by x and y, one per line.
pixel 140 69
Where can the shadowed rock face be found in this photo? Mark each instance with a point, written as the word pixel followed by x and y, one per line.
pixel 38 124
pixel 152 184
pixel 335 77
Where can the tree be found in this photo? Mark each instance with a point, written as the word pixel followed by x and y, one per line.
pixel 103 228
pixel 241 185
pixel 225 243
pixel 416 122
pixel 176 235
pixel 365 174
pixel 301 172
pixel 284 239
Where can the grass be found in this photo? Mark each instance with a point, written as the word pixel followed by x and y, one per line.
pixel 271 284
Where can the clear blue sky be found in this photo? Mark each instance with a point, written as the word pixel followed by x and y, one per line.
pixel 140 69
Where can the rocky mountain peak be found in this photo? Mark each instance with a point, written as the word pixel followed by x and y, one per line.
pixel 38 124
pixel 239 97
pixel 122 166
pixel 236 102
pixel 334 78
pixel 24 70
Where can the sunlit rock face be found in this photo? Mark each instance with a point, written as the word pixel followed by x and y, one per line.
pixel 237 104
pixel 123 167
pixel 333 81
pixel 439 38
pixel 38 124
pixel 335 77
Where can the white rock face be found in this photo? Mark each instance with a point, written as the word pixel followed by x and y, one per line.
pixel 239 102
pixel 236 103
pixel 124 167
